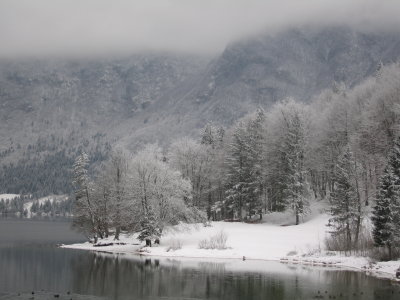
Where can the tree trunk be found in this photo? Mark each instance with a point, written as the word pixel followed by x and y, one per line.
pixel 348 233
pixel 107 232
pixel 117 232
pixel 358 222
pixel 209 202
pixel 366 188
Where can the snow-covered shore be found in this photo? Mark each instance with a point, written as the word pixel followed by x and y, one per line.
pixel 301 244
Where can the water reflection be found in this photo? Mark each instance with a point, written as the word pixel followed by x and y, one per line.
pixel 120 277
pixel 40 265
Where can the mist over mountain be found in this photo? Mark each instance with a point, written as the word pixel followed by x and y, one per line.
pixel 52 109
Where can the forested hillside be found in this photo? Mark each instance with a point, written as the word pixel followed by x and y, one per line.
pixel 51 110
pixel 342 147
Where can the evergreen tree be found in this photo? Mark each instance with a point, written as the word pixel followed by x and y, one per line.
pixel 212 142
pixel 237 172
pixel 344 200
pixel 245 163
pixel 292 176
pixel 386 212
pixel 149 228
pixel 256 176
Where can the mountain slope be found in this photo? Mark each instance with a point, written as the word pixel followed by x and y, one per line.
pixel 50 110
pixel 295 63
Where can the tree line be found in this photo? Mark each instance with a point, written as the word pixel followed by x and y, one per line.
pixel 47 208
pixel 337 147
pixel 50 159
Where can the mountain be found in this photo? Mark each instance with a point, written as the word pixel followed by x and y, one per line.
pixel 296 63
pixel 51 109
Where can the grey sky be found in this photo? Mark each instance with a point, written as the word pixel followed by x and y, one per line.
pixel 89 27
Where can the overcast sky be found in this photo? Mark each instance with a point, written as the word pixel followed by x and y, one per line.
pixel 48 27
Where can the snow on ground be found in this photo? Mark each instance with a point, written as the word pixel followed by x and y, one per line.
pixel 330 259
pixel 272 240
pixel 253 241
pixel 8 196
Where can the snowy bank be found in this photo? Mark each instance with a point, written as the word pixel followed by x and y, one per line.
pixel 252 241
pixel 301 244
pixel 385 270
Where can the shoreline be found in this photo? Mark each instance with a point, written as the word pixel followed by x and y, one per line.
pixel 273 240
pixel 381 270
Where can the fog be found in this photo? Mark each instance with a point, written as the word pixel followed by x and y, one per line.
pixel 90 27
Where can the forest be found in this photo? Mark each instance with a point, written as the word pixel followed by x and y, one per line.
pixel 341 147
pixel 27 206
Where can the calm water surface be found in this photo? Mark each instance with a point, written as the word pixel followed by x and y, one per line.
pixel 30 261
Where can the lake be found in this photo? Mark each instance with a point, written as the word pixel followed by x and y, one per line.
pixel 31 261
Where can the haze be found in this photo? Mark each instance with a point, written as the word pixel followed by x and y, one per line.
pixel 91 27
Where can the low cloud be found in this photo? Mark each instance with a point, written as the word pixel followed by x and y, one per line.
pixel 90 27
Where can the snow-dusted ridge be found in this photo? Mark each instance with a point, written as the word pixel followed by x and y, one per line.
pixel 8 196
pixel 301 244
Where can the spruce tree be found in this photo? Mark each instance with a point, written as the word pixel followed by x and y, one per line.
pixel 245 167
pixel 255 149
pixel 237 172
pixel 344 201
pixel 293 176
pixel 386 212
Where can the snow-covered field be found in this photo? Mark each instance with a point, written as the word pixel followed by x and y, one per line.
pixel 272 240
pixel 254 241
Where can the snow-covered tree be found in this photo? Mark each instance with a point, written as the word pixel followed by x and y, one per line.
pixel 85 216
pixel 286 152
pixel 116 173
pixel 294 181
pixel 212 141
pixel 212 135
pixel 244 164
pixel 154 183
pixel 194 162
pixel 386 213
pixel 150 230
pixel 256 156
pixel 345 205
pixel 237 173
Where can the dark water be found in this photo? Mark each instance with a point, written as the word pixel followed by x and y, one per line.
pixel 30 261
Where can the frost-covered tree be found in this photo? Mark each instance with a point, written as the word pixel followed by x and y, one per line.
pixel 212 141
pixel 150 230
pixel 256 156
pixel 237 172
pixel 212 135
pixel 294 179
pixel 154 183
pixel 286 152
pixel 194 161
pixel 345 211
pixel 85 211
pixel 386 213
pixel 244 163
pixel 116 173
